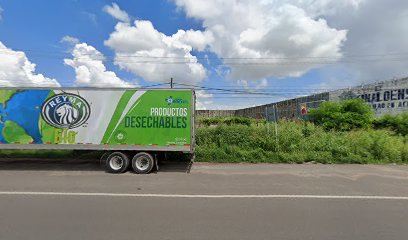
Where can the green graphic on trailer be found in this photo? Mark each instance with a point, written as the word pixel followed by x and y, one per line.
pixel 92 116
pixel 151 120
pixel 13 133
pixel 120 108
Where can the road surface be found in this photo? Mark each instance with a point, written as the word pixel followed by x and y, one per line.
pixel 78 200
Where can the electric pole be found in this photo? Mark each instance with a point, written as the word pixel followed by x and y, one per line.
pixel 171 82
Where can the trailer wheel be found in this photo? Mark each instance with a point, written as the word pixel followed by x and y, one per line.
pixel 117 162
pixel 104 157
pixel 142 163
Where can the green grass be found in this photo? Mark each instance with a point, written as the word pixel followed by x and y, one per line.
pixel 298 142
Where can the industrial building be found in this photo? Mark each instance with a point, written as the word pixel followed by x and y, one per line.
pixel 387 97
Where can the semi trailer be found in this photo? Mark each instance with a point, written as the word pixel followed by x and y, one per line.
pixel 133 127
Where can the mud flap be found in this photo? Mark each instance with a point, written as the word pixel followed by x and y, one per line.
pixel 192 159
pixel 156 161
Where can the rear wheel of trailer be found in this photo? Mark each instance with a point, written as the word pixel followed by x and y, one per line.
pixel 117 162
pixel 143 163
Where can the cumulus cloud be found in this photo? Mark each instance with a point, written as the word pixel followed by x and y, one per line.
pixel 156 57
pixel 325 7
pixel 116 12
pixel 279 32
pixel 266 38
pixel 378 33
pixel 256 40
pixel 17 71
pixel 90 69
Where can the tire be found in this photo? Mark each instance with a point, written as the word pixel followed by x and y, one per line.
pixel 104 157
pixel 117 162
pixel 143 163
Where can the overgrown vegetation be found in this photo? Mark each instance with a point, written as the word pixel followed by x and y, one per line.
pixel 343 115
pixel 299 142
pixel 226 120
pixel 338 132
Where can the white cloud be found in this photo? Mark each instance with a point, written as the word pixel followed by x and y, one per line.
pixel 325 7
pixel 70 40
pixel 274 33
pixel 375 28
pixel 292 28
pixel 204 100
pixel 116 12
pixel 262 84
pixel 156 57
pixel 16 70
pixel 257 40
pixel 90 70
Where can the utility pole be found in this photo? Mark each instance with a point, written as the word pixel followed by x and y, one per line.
pixel 275 119
pixel 171 82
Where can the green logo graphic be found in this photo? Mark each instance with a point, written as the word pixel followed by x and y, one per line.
pixel 121 136
pixel 170 101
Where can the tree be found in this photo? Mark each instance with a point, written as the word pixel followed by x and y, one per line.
pixel 342 116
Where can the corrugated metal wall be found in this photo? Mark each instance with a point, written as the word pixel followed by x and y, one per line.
pixel 384 97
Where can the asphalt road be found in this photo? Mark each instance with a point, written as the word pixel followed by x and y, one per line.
pixel 78 200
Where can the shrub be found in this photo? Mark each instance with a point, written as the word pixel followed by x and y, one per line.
pixel 398 123
pixel 233 135
pixel 343 116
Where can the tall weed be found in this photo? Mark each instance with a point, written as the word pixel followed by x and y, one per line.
pixel 298 142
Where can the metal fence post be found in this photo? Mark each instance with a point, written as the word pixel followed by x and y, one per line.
pixel 276 127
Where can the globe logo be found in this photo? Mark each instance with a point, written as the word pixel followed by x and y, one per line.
pixel 169 100
pixel 65 110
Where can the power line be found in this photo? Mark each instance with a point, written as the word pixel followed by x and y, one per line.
pixel 210 88
pixel 27 82
pixel 155 85
pixel 337 60
pixel 254 90
pixel 214 90
pixel 214 58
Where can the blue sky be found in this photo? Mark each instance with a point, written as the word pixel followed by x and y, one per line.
pixel 39 26
pixel 280 40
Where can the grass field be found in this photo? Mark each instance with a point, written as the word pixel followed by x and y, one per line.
pixel 298 142
pixel 257 142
